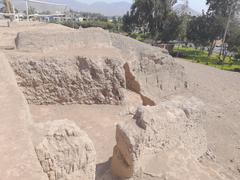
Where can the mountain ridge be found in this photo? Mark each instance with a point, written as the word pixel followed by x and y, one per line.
pixel 107 9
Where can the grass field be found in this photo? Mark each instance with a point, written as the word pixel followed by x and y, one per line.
pixel 202 57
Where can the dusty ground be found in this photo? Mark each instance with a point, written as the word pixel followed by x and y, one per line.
pixel 220 91
pixel 97 120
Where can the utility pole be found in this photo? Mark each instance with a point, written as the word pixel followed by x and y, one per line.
pixel 185 18
pixel 27 8
pixel 185 6
pixel 13 8
pixel 39 2
pixel 226 30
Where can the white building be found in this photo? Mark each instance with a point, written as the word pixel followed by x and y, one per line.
pixel 19 17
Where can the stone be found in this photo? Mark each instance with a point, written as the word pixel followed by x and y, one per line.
pixel 65 152
pixel 158 129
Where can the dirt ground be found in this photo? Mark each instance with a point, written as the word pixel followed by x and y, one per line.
pixel 97 120
pixel 219 90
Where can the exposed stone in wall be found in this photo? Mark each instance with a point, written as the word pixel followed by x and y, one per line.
pixel 74 79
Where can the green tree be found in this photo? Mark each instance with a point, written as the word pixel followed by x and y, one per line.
pixel 184 19
pixel 204 30
pixel 233 38
pixel 170 29
pixel 128 24
pixel 32 10
pixel 223 7
pixel 155 17
pixel 225 10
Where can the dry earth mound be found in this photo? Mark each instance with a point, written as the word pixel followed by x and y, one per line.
pixel 70 79
pixel 61 40
pixel 57 65
pixel 92 66
pixel 154 130
pixel 163 142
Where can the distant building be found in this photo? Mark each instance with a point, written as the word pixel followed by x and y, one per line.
pixel 81 19
pixel 19 17
pixel 219 42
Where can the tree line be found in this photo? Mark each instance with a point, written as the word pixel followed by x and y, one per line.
pixel 157 20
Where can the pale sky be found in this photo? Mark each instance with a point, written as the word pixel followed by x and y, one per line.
pixel 197 5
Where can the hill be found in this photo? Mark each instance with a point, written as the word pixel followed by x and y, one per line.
pixel 107 9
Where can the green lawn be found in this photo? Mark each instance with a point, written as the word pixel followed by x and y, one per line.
pixel 202 57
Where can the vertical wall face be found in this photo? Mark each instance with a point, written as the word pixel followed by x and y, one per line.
pixel 133 85
pixel 158 75
pixel 70 79
pixel 18 158
pixel 91 66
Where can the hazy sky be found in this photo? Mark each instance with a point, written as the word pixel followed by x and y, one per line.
pixel 198 5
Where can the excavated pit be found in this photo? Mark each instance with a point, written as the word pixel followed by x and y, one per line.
pixel 42 81
pixel 156 73
pixel 62 78
pixel 75 80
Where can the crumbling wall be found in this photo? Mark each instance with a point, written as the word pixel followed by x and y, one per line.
pixel 70 79
pixel 158 75
pixel 65 151
pixel 155 130
pixel 90 66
